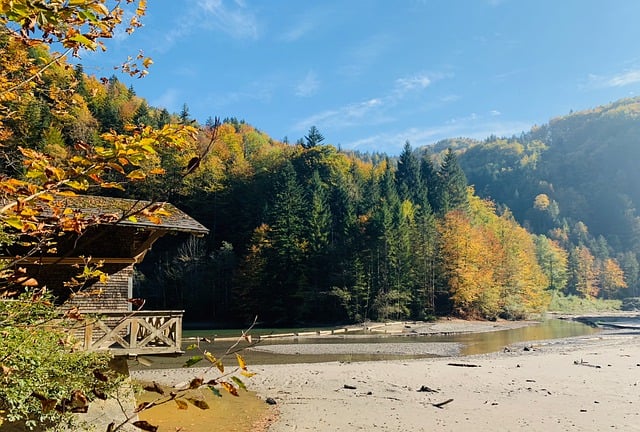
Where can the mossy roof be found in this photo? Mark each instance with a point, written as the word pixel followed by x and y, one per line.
pixel 174 220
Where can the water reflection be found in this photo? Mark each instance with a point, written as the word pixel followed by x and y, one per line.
pixel 470 343
pixel 481 343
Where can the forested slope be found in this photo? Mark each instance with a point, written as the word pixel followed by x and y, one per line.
pixel 575 181
pixel 305 233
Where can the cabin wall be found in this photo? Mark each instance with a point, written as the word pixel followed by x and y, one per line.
pixel 111 295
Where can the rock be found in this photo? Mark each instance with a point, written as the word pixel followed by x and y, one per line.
pixel 271 401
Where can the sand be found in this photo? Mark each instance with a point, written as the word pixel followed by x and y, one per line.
pixel 579 384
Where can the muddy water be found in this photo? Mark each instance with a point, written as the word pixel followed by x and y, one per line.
pixel 228 413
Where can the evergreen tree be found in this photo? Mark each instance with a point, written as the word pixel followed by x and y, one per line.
pixel 408 178
pixel 313 138
pixel 452 185
pixel 164 118
pixel 289 246
pixel 184 116
pixel 429 178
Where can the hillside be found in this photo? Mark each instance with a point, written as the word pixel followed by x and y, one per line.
pixel 305 233
pixel 574 179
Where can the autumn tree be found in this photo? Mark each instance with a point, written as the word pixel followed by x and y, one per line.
pixel 37 344
pixel 611 278
pixel 584 273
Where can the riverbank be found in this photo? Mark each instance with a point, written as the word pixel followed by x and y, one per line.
pixel 585 383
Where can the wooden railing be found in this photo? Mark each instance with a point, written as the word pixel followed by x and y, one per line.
pixel 132 333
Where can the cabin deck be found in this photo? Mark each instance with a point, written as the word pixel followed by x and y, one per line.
pixel 132 333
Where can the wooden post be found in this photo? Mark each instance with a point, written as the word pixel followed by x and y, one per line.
pixel 133 333
pixel 88 334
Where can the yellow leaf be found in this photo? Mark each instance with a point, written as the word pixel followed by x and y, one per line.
pixel 111 185
pixel 147 62
pixel 14 222
pixel 133 219
pixel 230 388
pixel 210 357
pixel 220 366
pixel 136 175
pixel 241 362
pixel 247 374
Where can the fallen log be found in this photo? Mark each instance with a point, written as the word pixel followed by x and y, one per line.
pixel 441 404
pixel 584 363
pixel 427 389
pixel 463 364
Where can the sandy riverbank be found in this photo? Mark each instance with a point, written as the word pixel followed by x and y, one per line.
pixel 555 386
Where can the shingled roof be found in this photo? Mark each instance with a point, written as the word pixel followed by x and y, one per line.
pixel 176 220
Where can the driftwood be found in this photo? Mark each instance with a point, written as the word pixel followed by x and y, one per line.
pixel 427 389
pixel 441 404
pixel 584 363
pixel 463 364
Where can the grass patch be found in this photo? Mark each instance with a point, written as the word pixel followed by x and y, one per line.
pixel 575 304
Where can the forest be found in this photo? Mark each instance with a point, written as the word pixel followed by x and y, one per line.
pixel 305 233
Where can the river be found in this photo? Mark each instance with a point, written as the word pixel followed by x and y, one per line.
pixel 360 346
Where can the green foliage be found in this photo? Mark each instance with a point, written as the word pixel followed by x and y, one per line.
pixel 44 377
pixel 576 304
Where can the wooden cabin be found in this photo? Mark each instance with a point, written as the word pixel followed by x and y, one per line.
pixel 111 320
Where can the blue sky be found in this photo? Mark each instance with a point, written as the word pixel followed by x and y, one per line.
pixel 372 74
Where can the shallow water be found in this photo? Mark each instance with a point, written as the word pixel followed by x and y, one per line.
pixel 467 343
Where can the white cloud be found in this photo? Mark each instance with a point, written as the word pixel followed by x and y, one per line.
pixel 495 113
pixel 618 80
pixel 308 86
pixel 624 79
pixel 345 116
pixel 231 18
pixel 374 111
pixel 416 82
pixel 471 126
pixel 235 20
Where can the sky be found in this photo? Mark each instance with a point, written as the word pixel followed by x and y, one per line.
pixel 373 74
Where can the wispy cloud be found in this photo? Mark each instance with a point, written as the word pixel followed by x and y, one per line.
pixel 232 18
pixel 376 110
pixel 308 86
pixel 349 115
pixel 471 126
pixel 416 82
pixel 617 80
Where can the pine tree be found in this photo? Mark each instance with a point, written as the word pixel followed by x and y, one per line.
pixel 313 138
pixel 289 251
pixel 429 178
pixel 452 185
pixel 408 178
pixel 184 116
